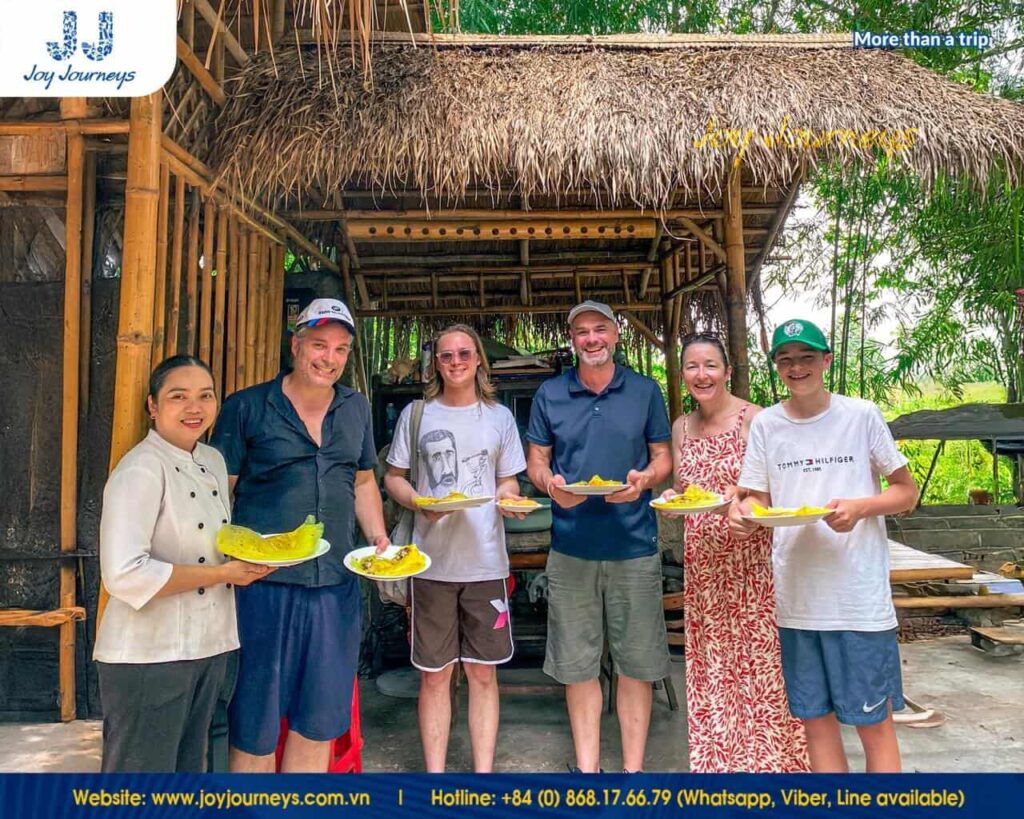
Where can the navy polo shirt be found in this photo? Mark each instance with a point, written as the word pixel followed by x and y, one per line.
pixel 602 434
pixel 284 476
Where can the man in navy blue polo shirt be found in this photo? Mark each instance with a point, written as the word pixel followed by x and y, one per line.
pixel 301 445
pixel 602 419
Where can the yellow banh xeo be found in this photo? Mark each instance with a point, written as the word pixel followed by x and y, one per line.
pixel 693 495
pixel 407 560
pixel 778 511
pixel 451 496
pixel 597 480
pixel 245 544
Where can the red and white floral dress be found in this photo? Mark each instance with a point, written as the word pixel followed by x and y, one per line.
pixel 738 714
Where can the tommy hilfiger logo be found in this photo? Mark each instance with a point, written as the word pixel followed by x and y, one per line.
pixel 814 464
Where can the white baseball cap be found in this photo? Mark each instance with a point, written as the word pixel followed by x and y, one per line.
pixel 321 311
pixel 591 306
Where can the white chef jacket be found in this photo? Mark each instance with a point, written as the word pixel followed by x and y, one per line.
pixel 163 506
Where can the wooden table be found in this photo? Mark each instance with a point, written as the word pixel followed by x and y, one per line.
pixel 907 565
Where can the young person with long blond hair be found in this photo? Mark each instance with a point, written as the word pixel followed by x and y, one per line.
pixel 466 443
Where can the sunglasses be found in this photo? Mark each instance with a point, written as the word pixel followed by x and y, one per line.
pixel 449 356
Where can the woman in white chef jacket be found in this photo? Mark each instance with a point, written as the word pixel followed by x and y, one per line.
pixel 169 628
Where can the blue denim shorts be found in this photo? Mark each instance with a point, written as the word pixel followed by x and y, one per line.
pixel 853 673
pixel 298 659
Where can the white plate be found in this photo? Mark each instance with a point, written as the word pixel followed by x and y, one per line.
pixel 773 521
pixel 322 548
pixel 594 490
pixel 456 505
pixel 707 506
pixel 358 554
pixel 508 507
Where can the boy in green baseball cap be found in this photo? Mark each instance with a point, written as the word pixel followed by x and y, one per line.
pixel 837 624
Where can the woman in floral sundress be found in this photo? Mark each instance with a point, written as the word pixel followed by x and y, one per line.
pixel 738 715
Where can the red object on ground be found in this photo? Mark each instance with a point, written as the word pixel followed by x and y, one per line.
pixel 346 750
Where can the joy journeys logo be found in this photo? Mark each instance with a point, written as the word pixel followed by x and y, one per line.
pixel 86 48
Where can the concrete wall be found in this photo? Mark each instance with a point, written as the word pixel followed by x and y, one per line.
pixel 984 536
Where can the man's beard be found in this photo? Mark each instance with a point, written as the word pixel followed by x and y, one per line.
pixel 596 358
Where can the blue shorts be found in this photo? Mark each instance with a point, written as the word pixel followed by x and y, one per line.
pixel 853 673
pixel 298 659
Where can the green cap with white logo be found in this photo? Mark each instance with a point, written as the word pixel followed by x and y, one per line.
pixel 798 331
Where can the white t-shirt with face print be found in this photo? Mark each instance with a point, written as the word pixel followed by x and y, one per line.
pixel 462 449
pixel 826 580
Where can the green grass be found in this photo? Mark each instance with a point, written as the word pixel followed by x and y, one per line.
pixel 963 465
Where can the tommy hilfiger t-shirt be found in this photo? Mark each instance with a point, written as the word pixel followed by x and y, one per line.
pixel 826 580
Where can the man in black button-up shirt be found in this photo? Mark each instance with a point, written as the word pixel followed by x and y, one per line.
pixel 301 445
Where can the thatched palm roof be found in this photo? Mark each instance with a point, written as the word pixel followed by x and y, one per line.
pixel 628 122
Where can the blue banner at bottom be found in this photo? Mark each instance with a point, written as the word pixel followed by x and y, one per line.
pixel 34 796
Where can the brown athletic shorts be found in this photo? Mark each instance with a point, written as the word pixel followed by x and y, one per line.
pixel 459 621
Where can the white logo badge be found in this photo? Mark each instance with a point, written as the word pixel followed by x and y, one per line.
pixel 794 328
pixel 86 48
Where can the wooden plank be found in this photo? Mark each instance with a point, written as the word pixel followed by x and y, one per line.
pixel 963 601
pixel 379 230
pixel 37 183
pixel 998 634
pixel 907 565
pixel 27 617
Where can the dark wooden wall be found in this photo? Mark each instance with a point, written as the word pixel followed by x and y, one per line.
pixel 31 300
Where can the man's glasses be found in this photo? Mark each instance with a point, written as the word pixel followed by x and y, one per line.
pixel 449 356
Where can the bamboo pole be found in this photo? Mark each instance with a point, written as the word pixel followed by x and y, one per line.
pixel 277 313
pixel 206 281
pixel 231 341
pixel 960 601
pixel 177 248
pixel 220 299
pixel 357 342
pixel 736 295
pixel 241 321
pixel 192 276
pixel 252 310
pixel 492 310
pixel 160 296
pixel 38 183
pixel 75 183
pixel 88 242
pixel 263 271
pixel 86 127
pixel 675 401
pixel 138 274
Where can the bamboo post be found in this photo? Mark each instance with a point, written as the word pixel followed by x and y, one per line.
pixel 357 341
pixel 276 313
pixel 219 305
pixel 675 402
pixel 242 320
pixel 736 292
pixel 138 273
pixel 262 271
pixel 70 108
pixel 230 363
pixel 177 248
pixel 192 276
pixel 206 281
pixel 160 296
pixel 88 241
pixel 252 310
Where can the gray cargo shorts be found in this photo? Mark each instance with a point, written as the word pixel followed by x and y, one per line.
pixel 591 600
